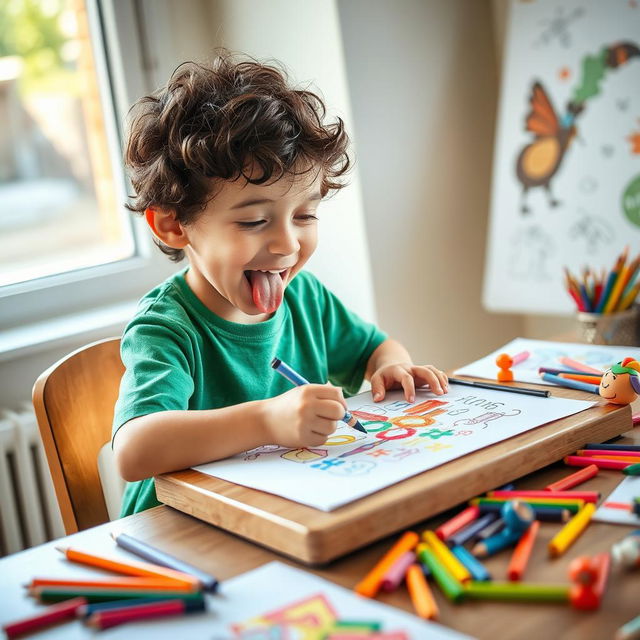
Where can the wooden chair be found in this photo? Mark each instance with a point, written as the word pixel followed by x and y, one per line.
pixel 74 401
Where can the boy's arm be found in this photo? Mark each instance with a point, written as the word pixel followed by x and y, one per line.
pixel 170 440
pixel 390 367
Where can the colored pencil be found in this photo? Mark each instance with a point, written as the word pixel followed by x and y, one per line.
pixel 571 384
pixel 191 603
pixel 569 371
pixel 468 532
pixel 500 387
pixel 617 456
pixel 477 570
pixel 579 366
pixel 50 615
pixel 491 529
pixel 156 556
pixel 517 591
pixel 104 594
pixel 630 296
pixel 570 532
pixel 420 593
pixel 397 571
pixel 444 555
pixel 370 584
pixel 574 479
pixel 612 447
pixel 598 453
pixel 129 568
pixel 589 379
pixel 616 290
pixel 112 617
pixel 451 587
pixel 549 500
pixel 582 461
pixel 541 512
pixel 606 293
pixel 587 496
pixel 522 553
pixel 462 519
pixel 113 583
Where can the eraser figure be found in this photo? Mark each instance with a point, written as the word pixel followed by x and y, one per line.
pixel 621 383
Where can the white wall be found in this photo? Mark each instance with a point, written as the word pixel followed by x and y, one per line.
pixel 423 82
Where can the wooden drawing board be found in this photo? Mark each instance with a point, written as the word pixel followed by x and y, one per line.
pixel 316 537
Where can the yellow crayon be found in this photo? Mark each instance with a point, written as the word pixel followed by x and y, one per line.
pixel 570 532
pixel 455 567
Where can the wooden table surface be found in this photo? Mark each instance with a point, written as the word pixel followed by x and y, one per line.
pixel 226 555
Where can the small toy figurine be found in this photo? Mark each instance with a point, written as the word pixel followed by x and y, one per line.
pixel 589 578
pixel 621 383
pixel 505 362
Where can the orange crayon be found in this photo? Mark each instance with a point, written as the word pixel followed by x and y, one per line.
pixel 420 593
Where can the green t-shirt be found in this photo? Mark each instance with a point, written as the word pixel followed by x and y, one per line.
pixel 180 355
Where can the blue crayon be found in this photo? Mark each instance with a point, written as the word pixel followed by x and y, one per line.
pixel 572 384
pixel 477 570
pixel 471 530
pixel 294 377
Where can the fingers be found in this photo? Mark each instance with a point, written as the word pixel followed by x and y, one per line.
pixel 436 379
pixel 378 388
pixel 409 387
pixel 325 392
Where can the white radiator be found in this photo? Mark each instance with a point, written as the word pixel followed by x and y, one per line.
pixel 29 513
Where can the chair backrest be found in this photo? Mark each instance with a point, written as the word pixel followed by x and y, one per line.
pixel 74 401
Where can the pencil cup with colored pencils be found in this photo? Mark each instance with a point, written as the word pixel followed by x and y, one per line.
pixel 617 328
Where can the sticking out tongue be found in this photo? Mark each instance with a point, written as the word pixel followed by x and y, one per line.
pixel 267 290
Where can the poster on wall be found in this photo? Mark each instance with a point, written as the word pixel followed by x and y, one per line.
pixel 566 176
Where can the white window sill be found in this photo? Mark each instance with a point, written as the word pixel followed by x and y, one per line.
pixel 63 331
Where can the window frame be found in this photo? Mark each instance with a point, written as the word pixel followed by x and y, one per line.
pixel 115 34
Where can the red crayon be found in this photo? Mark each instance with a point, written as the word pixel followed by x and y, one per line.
pixel 448 528
pixel 587 496
pixel 113 617
pixel 54 613
pixel 579 461
pixel 574 479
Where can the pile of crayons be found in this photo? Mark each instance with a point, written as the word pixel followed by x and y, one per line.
pixel 165 586
pixel 574 375
pixel 502 519
pixel 607 293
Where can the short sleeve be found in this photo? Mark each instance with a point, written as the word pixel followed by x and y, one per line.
pixel 158 364
pixel 350 341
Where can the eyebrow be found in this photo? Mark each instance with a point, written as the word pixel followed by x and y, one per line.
pixel 253 201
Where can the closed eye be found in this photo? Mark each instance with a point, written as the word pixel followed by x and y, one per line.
pixel 250 224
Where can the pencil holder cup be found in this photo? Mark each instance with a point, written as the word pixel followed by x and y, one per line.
pixel 619 328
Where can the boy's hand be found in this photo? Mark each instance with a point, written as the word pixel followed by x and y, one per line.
pixel 305 416
pixel 405 375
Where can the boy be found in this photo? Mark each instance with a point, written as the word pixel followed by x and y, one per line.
pixel 229 165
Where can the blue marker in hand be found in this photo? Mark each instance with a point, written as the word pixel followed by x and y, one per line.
pixel 286 371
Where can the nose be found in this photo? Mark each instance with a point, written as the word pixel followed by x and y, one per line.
pixel 284 240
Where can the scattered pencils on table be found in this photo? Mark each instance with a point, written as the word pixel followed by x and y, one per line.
pixel 608 292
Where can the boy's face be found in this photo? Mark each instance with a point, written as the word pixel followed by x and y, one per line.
pixel 249 243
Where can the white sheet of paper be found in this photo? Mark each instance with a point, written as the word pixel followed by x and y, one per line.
pixel 545 353
pixel 625 492
pixel 399 444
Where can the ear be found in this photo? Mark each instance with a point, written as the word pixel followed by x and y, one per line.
pixel 635 383
pixel 165 226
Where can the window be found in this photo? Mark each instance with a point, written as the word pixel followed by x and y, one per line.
pixel 68 243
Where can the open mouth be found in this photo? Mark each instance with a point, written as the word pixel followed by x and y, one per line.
pixel 267 287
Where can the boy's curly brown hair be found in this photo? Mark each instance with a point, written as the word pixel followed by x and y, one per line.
pixel 216 121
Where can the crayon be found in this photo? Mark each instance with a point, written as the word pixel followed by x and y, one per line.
pixel 421 596
pixel 581 461
pixel 574 479
pixel 462 519
pixel 620 458
pixel 569 371
pixel 451 587
pixel 588 379
pixel 547 501
pixel 587 496
pixel 112 617
pixel 50 615
pixel 477 570
pixel 498 542
pixel 571 531
pixel 292 376
pixel 397 571
pixel 546 513
pixel 571 384
pixel 632 470
pixel 444 555
pixel 491 529
pixel 129 568
pixel 517 591
pixel 505 361
pixel 612 447
pixel 105 594
pixel 522 553
pixel 190 603
pixel 541 393
pixel 471 530
pixel 159 584
pixel 147 552
pixel 599 453
pixel 579 366
pixel 371 583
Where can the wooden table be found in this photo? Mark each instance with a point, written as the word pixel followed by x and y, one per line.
pixel 227 555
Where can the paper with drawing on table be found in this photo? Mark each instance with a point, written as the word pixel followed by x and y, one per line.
pixel 613 508
pixel 403 440
pixel 545 353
